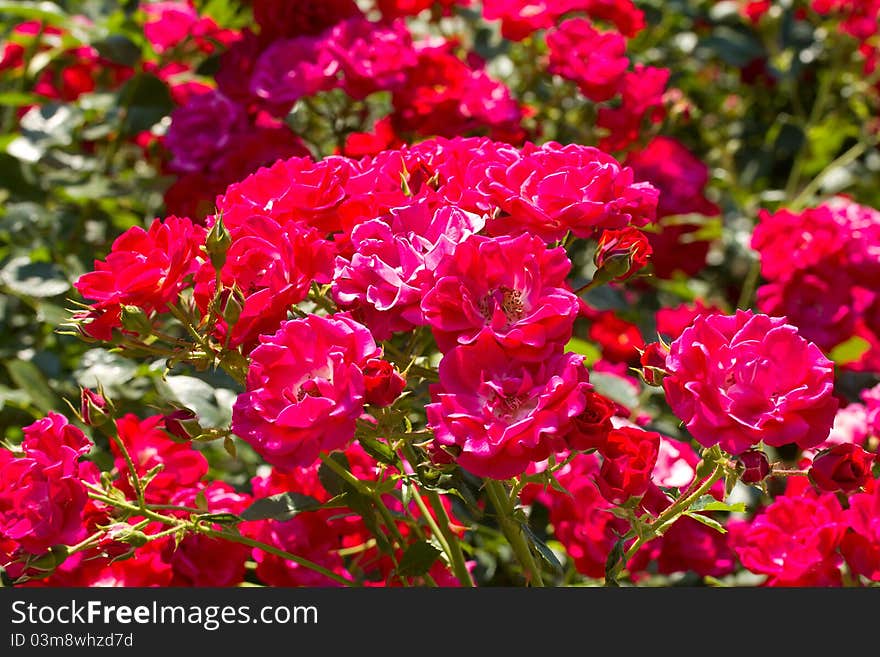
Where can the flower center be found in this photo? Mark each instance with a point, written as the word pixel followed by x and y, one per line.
pixel 510 302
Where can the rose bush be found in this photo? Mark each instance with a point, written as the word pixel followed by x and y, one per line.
pixel 440 293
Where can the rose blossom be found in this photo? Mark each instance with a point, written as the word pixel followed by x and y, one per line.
pixel 273 266
pixel 742 379
pixel 305 389
pixel 372 57
pixel 845 467
pixel 145 268
pixel 394 258
pixel 502 413
pixel 630 455
pixel 794 540
pixel 509 288
pixel 201 130
pixel 42 496
pixel 861 546
pixel 291 69
pixel 621 253
pixel 149 446
pixel 595 61
pixel 551 189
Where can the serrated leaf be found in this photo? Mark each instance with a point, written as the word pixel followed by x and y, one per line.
pixel 543 549
pixel 706 520
pixel 281 507
pixel 709 503
pixel 417 559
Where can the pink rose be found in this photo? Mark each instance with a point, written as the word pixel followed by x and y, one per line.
pixel 595 61
pixel 503 414
pixel 794 541
pixel 512 288
pixel 742 379
pixel 305 389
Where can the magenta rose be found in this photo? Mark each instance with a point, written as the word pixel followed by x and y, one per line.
pixel 201 130
pixel 305 389
pixel 551 189
pixel 512 288
pixel 595 61
pixel 393 264
pixel 503 414
pixel 372 56
pixel 742 379
pixel 794 541
pixel 42 496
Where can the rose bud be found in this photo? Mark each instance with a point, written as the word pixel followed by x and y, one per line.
pixel 590 429
pixel 93 408
pixel 382 383
pixel 844 467
pixel 756 466
pixel 182 424
pixel 653 361
pixel 621 253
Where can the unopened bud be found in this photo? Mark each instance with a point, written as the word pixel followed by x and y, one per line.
pixel 182 424
pixel 135 320
pixel 217 243
pixel 620 254
pixel 94 409
pixel 755 466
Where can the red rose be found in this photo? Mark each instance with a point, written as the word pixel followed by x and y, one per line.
pixel 844 467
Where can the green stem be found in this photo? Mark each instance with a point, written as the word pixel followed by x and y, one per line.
pixel 359 486
pixel 135 478
pixel 749 285
pixel 669 516
pixel 513 532
pixel 844 159
pixel 459 564
pixel 287 556
pixel 177 524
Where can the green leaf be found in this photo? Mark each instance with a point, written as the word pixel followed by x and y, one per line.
pixel 19 98
pixel 148 101
pixel 48 12
pixel 282 507
pixel 34 279
pixel 546 553
pixel 615 388
pixel 28 378
pixel 118 49
pixel 100 367
pixel 589 351
pixel 706 520
pixel 850 351
pixel 709 503
pixel 418 559
pixel 734 47
pixel 615 555
pixel 378 450
pixel 332 482
pixel 210 404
